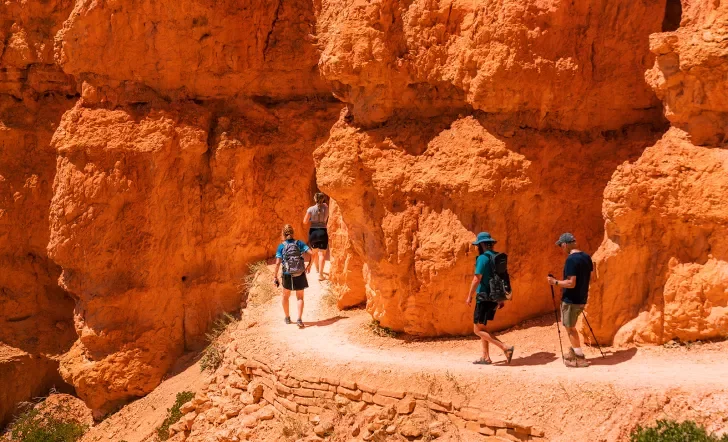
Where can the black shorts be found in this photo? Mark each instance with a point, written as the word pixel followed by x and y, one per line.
pixel 484 312
pixel 318 239
pixel 299 282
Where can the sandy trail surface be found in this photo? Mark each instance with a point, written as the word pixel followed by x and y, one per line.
pixel 601 402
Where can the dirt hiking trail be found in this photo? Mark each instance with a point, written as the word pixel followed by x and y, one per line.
pixel 607 398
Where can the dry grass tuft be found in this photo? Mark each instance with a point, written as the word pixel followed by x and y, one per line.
pixel 257 286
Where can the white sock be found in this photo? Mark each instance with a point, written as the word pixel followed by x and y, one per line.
pixel 578 351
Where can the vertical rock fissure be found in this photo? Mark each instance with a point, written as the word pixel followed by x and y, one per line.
pixel 272 28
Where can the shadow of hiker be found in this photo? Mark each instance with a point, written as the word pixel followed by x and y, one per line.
pixel 540 358
pixel 325 322
pixel 614 357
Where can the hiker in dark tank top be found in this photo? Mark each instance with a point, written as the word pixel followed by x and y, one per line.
pixel 574 294
pixel 318 235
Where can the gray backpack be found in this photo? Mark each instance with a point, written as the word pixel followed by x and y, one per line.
pixel 293 262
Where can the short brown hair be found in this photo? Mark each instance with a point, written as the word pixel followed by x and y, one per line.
pixel 288 231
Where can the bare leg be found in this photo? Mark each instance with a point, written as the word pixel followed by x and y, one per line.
pixel 322 260
pixel 479 330
pixel 486 353
pixel 573 337
pixel 314 257
pixel 299 298
pixel 286 295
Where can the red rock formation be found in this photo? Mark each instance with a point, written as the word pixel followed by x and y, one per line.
pixel 566 65
pixel 661 270
pixel 661 267
pixel 190 149
pixel 414 190
pixel 412 196
pixel 35 314
pixel 347 269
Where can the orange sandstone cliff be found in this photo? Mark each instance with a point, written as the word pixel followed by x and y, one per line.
pixel 662 269
pixel 151 150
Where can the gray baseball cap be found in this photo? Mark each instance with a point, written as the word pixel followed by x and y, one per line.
pixel 565 238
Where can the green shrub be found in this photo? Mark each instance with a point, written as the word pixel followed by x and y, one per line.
pixel 211 358
pixel 32 426
pixel 671 431
pixel 174 414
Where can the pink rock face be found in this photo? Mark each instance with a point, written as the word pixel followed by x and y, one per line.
pixel 545 64
pixel 664 253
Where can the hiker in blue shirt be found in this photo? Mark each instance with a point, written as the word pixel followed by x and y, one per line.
pixel 290 255
pixel 484 307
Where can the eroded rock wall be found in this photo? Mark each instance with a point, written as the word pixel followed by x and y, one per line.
pixel 661 270
pixel 35 314
pixel 462 116
pixel 190 148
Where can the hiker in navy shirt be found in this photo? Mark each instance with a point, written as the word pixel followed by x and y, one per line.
pixel 290 254
pixel 574 294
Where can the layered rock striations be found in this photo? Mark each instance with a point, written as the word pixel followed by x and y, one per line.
pixel 661 270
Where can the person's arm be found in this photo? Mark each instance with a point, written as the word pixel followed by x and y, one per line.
pixel 310 260
pixel 275 273
pixel 473 285
pixel 568 283
pixel 307 217
pixel 570 272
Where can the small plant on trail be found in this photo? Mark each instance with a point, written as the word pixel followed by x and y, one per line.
pixel 378 330
pixel 257 286
pixel 672 431
pixel 34 426
pixel 212 355
pixel 174 414
pixel 293 428
pixel 434 386
pixel 462 389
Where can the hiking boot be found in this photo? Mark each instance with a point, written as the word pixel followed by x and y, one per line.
pixel 288 320
pixel 574 360
pixel 299 323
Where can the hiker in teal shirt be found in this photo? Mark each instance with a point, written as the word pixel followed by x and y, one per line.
pixel 485 308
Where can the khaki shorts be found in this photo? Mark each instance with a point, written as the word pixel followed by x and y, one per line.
pixel 570 313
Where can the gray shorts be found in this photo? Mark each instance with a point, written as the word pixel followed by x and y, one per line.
pixel 570 313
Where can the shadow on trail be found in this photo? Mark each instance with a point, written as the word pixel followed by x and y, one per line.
pixel 614 357
pixel 540 358
pixel 325 322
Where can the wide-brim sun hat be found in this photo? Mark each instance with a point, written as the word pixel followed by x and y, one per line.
pixel 484 237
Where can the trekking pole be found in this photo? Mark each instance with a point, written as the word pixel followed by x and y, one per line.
pixel 593 335
pixel 556 315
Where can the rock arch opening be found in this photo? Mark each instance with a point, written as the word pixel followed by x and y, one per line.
pixel 673 16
